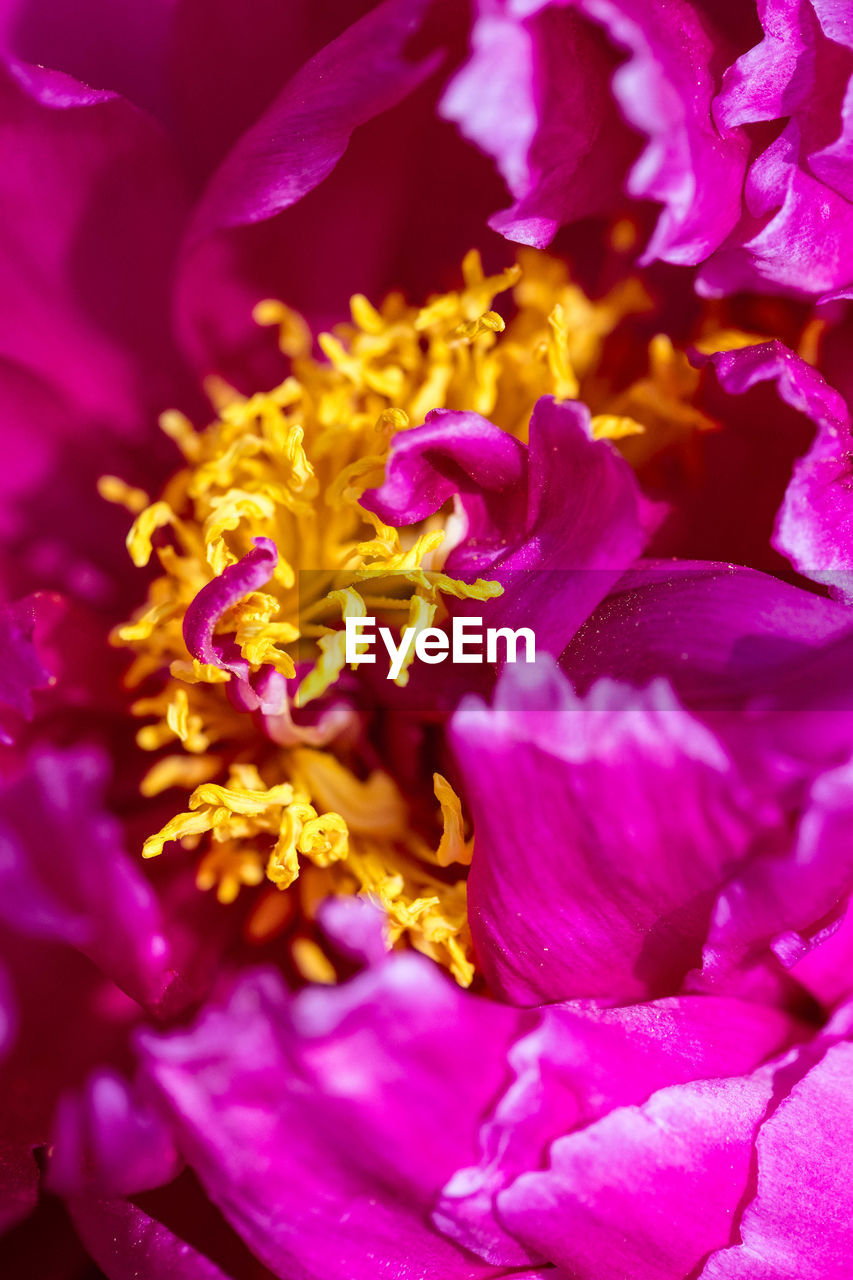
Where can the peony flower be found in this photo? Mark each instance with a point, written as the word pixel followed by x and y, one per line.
pixel 505 970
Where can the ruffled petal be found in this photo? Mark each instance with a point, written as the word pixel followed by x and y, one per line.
pixel 666 90
pixel 562 150
pixel 812 527
pixel 775 77
pixel 791 900
pixel 605 825
pixel 798 1226
pixel 804 248
pixel 576 1066
pixel 646 1191
pixel 324 1125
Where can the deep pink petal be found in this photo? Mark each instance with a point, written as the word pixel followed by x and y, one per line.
pixel 797 1227
pixel 67 878
pixel 108 1140
pixel 562 149
pixel 304 1118
pixel 605 825
pixel 556 559
pixel 303 134
pixel 576 1066
pixel 646 1191
pixel 666 90
pixel 127 1244
pixel 812 527
pixel 789 900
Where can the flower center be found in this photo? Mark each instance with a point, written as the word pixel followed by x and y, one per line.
pixel 264 547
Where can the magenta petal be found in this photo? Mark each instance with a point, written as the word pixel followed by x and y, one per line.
pixel 787 901
pixel 559 789
pixel 85 177
pixel 216 598
pixel 122 48
pixel 646 1191
pixel 304 1117
pixel 556 559
pixel 813 524
pixel 562 148
pixel 794 236
pixel 574 550
pixel 454 453
pixel 776 77
pixel 109 1140
pixel 798 1226
pixel 721 634
pixel 356 928
pixel 806 246
pixel 303 134
pixel 129 1245
pixel 66 877
pixel 575 1067
pixel 666 90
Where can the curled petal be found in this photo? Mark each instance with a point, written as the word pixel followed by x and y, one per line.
pixel 556 524
pixel 217 597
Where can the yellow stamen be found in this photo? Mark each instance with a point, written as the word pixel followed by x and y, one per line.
pixel 278 800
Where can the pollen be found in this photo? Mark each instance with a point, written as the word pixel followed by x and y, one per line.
pixel 263 550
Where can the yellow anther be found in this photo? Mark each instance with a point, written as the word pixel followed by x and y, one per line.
pixel 183 824
pixel 143 528
pixel 324 839
pixel 249 803
pixel 312 963
pixel 611 426
pixel 365 315
pixel 453 846
pixel 179 429
pixel 177 715
pixel 294 336
pixel 178 771
pixel 111 489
